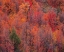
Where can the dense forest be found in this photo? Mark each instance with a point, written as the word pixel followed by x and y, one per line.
pixel 31 25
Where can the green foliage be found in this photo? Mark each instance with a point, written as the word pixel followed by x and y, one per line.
pixel 15 39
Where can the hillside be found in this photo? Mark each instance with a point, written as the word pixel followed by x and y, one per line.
pixel 31 25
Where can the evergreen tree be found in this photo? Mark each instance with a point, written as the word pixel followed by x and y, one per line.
pixel 15 39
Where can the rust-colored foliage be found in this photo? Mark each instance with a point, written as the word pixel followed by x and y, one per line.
pixel 39 25
pixel 30 2
pixel 54 3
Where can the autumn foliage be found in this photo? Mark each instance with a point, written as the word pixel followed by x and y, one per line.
pixel 31 25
